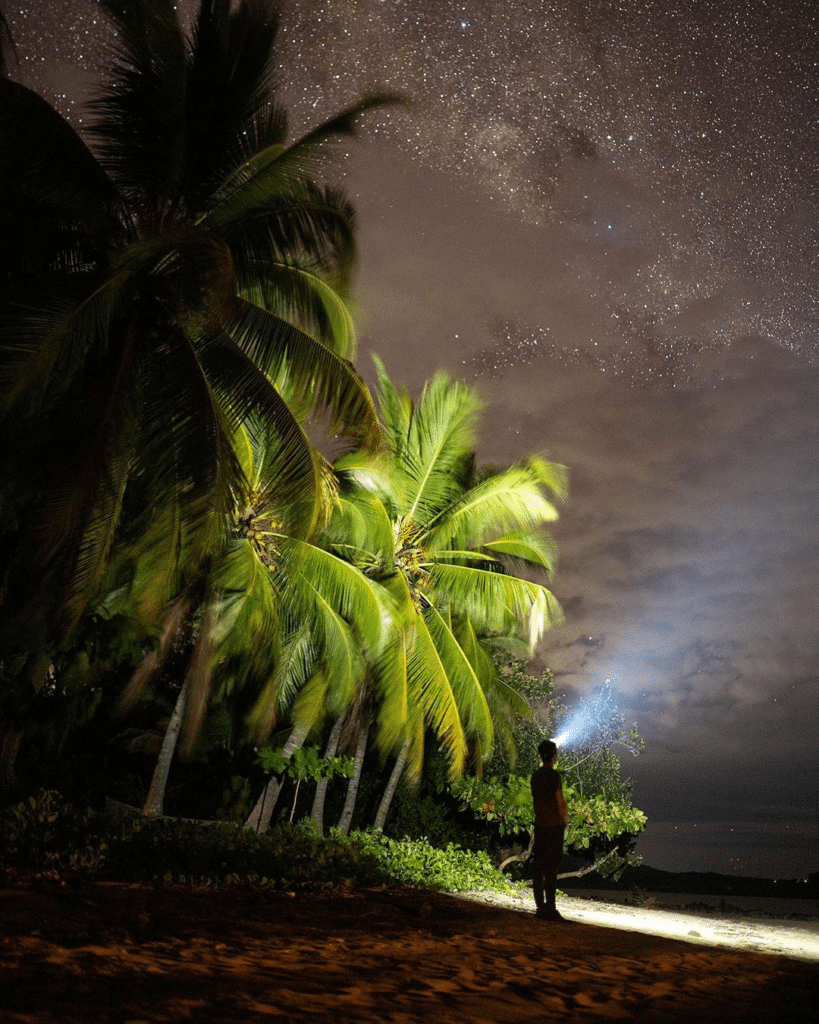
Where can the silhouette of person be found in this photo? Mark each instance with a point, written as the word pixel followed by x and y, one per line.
pixel 551 817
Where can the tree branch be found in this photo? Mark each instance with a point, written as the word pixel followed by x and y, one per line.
pixel 585 871
pixel 521 858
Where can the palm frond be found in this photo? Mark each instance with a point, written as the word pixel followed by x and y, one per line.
pixel 395 406
pixel 430 687
pixel 310 705
pixel 438 447
pixel 45 164
pixel 290 467
pixel 529 548
pixel 304 225
pixel 282 171
pixel 158 559
pixel 300 295
pixel 313 369
pixel 495 602
pixel 506 705
pixel 505 502
pixel 49 344
pixel 140 127
pixel 228 91
pixel 246 606
pixel 296 660
pixel 465 682
pixel 361 531
pixel 346 590
pixel 186 452
pixel 340 651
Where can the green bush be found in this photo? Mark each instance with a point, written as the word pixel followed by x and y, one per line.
pixel 45 833
pixel 415 862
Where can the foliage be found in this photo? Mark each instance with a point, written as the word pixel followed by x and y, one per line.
pixel 455 555
pixel 508 803
pixel 184 278
pixel 47 835
pixel 417 862
pixel 303 764
pixel 236 800
pixel 598 800
pixel 422 811
pixel 287 857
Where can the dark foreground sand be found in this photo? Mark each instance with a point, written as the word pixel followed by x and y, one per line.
pixel 118 953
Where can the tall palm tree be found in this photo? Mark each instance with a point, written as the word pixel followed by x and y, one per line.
pixel 156 291
pixel 444 547
pixel 270 618
pixel 448 547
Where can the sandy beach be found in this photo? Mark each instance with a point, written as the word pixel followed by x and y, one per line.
pixel 133 954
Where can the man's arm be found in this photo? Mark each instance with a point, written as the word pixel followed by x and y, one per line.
pixel 561 805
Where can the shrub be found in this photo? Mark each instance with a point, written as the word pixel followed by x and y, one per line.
pixel 415 862
pixel 45 833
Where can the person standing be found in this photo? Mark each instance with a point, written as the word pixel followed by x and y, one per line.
pixel 551 818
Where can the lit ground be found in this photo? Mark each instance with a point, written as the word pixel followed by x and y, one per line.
pixel 756 930
pixel 132 955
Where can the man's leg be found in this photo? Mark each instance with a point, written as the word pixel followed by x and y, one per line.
pixel 552 854
pixel 538 870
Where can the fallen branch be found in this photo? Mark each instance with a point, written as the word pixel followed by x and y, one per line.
pixel 585 871
pixel 521 858
pixel 518 858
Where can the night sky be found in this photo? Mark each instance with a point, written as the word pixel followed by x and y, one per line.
pixel 604 215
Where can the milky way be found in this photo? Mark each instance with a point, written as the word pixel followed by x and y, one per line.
pixel 680 137
pixel 677 138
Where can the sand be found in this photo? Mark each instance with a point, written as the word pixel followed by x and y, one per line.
pixel 109 952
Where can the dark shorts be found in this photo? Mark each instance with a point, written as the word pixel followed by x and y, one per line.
pixel 548 843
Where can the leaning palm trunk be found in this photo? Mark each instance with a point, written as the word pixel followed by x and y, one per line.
pixel 317 813
pixel 352 789
pixel 259 817
pixel 154 802
pixel 10 740
pixel 392 785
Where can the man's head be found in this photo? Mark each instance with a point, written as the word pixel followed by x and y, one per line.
pixel 547 750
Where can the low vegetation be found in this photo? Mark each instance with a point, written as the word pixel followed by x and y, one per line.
pixel 46 837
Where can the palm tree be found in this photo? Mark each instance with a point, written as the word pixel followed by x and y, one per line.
pixel 269 618
pixel 447 546
pixel 156 293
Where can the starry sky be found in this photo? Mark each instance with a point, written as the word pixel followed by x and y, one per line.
pixel 604 215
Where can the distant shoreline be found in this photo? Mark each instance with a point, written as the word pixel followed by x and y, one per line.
pixel 646 879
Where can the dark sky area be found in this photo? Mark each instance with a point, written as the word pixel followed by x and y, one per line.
pixel 604 215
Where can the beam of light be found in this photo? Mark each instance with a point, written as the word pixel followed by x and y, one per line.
pixel 783 937
pixel 595 719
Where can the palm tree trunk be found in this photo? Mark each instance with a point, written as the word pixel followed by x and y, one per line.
pixel 392 785
pixel 259 817
pixel 154 802
pixel 317 814
pixel 10 740
pixel 352 789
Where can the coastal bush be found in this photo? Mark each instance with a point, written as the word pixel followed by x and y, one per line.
pixel 415 862
pixel 288 857
pixel 46 834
